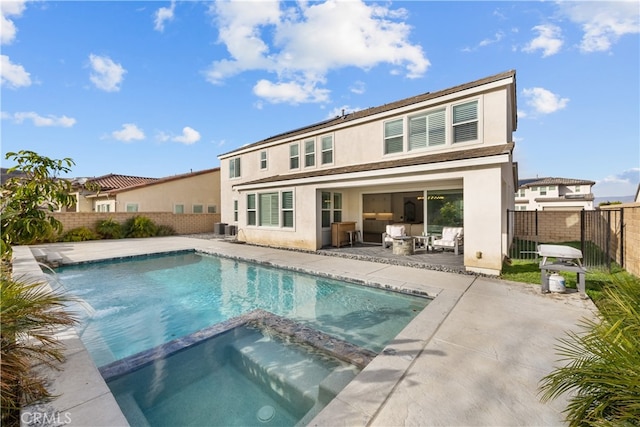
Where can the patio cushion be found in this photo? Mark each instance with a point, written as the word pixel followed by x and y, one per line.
pixel 395 230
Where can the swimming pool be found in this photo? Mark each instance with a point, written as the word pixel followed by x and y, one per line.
pixel 129 306
pixel 136 305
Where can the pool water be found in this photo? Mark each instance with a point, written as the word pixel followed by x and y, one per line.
pixel 244 377
pixel 130 306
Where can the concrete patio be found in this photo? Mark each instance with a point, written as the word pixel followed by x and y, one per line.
pixel 473 356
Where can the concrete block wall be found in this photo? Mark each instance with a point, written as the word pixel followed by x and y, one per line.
pixel 632 240
pixel 631 225
pixel 558 226
pixel 181 223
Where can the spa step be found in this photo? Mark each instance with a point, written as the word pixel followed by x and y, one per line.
pixel 329 389
pixel 130 407
pixel 289 372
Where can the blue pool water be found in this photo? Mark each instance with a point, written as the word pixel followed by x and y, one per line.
pixel 134 305
pixel 242 378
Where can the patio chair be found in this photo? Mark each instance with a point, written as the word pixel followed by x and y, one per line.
pixel 392 230
pixel 452 238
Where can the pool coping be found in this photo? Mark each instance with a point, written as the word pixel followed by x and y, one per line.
pixel 99 405
pixel 260 319
pixel 473 356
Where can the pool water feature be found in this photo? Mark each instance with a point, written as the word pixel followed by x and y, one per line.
pixel 128 306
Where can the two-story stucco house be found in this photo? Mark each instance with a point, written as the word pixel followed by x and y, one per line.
pixel 546 194
pixel 193 192
pixel 408 161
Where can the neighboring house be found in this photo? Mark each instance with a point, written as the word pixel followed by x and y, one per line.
pixel 546 194
pixel 194 192
pixel 435 159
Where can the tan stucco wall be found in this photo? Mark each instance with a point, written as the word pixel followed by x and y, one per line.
pixel 363 142
pixel 201 189
pixel 487 184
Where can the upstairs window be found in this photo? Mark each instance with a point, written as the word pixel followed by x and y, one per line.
pixel 427 130
pixel 234 168
pixel 131 207
pixel 263 159
pixel 393 136
pixel 294 156
pixel 309 153
pixel 543 190
pixel 465 122
pixel 327 149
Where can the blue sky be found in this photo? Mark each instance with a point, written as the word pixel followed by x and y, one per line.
pixel 156 89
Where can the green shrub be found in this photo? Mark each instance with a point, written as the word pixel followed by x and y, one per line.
pixel 139 226
pixel 165 230
pixel 602 371
pixel 79 234
pixel 109 229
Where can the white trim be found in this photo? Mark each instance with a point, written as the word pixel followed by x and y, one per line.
pixel 386 173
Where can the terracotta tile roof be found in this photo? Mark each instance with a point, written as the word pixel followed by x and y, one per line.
pixel 114 181
pixel 380 109
pixel 492 150
pixel 163 180
pixel 535 182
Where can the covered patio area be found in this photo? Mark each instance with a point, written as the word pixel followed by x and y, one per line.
pixel 445 261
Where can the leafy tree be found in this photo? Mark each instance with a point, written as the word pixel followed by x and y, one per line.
pixel 27 198
pixel 30 315
pixel 603 364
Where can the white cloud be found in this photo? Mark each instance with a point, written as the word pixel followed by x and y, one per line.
pixel 129 132
pixel 8 29
pixel 338 111
pixel 629 176
pixel 41 121
pixel 13 75
pixel 623 184
pixel 603 23
pixel 496 38
pixel 164 14
pixel 291 92
pixel 291 41
pixel 106 74
pixel 358 87
pixel 189 136
pixel 544 101
pixel 549 40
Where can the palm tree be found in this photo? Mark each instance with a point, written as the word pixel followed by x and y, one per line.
pixel 603 364
pixel 30 315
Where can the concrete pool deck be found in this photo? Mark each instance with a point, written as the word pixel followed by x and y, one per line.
pixel 473 356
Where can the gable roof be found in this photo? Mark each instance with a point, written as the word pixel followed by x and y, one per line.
pixel 473 153
pixel 114 181
pixel 535 182
pixel 155 181
pixel 383 108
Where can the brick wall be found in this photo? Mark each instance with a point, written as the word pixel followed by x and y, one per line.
pixel 181 223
